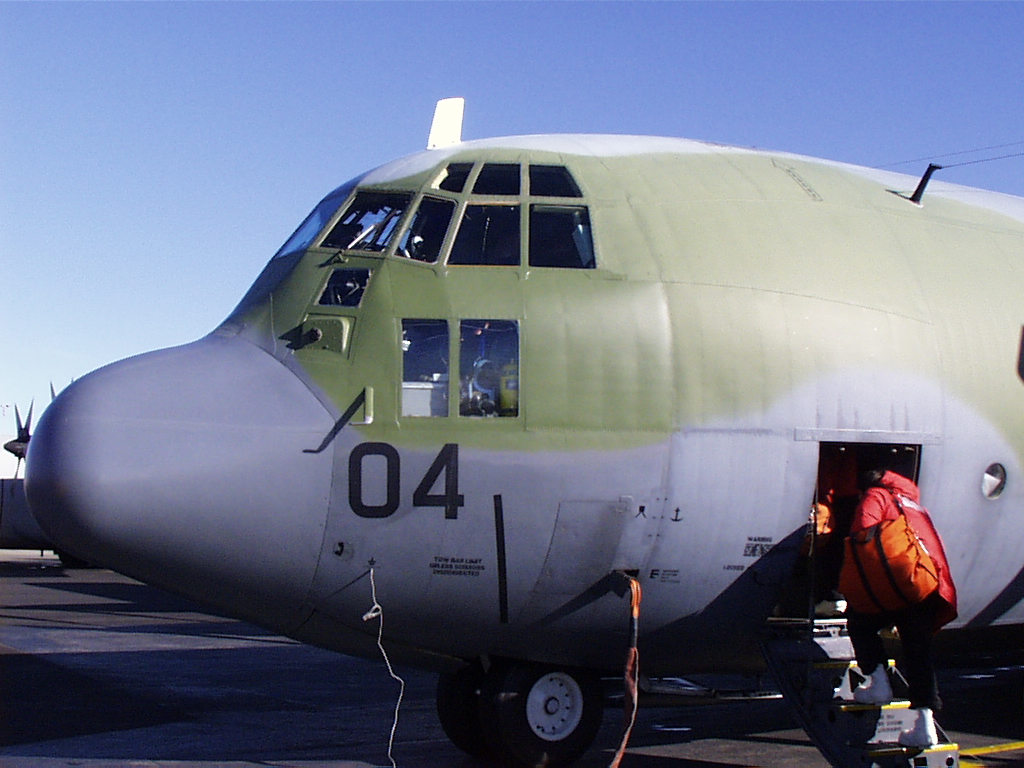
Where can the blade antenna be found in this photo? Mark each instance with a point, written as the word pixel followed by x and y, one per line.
pixel 446 128
pixel 919 192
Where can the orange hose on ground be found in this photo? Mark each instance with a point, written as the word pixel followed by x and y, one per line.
pixel 631 674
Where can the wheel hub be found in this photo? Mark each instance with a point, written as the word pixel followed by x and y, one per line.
pixel 554 706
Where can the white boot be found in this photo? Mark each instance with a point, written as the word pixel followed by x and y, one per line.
pixel 875 688
pixel 923 733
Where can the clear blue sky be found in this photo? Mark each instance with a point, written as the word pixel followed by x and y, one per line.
pixel 154 155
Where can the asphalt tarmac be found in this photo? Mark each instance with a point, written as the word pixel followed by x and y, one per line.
pixel 100 670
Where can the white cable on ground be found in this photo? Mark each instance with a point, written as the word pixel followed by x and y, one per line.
pixel 377 611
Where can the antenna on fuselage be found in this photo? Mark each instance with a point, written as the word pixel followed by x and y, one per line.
pixel 919 192
pixel 446 128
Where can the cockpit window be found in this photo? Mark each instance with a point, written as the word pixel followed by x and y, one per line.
pixel 454 177
pixel 552 181
pixel 369 222
pixel 345 288
pixel 488 235
pixel 423 239
pixel 424 367
pixel 497 179
pixel 489 368
pixel 316 221
pixel 560 237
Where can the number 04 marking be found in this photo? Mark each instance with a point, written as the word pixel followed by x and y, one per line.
pixel 447 461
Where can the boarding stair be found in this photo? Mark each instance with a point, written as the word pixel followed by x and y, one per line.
pixel 814 666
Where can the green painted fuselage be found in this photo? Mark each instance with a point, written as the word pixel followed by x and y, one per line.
pixel 743 308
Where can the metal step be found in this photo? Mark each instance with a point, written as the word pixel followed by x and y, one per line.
pixel 814 667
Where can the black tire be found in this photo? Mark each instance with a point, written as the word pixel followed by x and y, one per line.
pixel 70 561
pixel 536 715
pixel 458 709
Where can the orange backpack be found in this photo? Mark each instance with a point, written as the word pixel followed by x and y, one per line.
pixel 886 567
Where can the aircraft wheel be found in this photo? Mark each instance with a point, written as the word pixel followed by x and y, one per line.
pixel 70 561
pixel 541 716
pixel 458 709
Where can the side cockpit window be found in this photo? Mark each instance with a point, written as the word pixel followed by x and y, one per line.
pixel 488 236
pixel 552 181
pixel 489 368
pixel 560 237
pixel 454 177
pixel 424 367
pixel 345 288
pixel 487 372
pixel 316 221
pixel 369 222
pixel 424 237
pixel 497 179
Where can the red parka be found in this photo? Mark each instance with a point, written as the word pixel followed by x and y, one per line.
pixel 878 504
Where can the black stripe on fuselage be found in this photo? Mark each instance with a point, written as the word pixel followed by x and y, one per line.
pixel 1012 594
pixel 499 533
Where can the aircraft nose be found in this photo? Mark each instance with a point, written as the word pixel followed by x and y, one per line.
pixel 186 468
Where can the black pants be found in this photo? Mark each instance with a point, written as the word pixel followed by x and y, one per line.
pixel 915 628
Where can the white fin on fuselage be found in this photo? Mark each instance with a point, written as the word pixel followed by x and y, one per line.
pixel 446 128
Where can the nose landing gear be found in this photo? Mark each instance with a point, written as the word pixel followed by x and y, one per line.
pixel 554 706
pixel 526 714
pixel 458 709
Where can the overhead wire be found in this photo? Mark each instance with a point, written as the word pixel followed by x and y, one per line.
pixel 962 152
pixel 984 160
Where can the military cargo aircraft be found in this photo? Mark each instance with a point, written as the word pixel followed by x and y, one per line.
pixel 18 528
pixel 496 379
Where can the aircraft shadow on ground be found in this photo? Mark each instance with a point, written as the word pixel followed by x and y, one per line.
pixel 289 701
pixel 44 701
pixel 133 597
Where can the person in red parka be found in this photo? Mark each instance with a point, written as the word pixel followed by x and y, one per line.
pixel 882 490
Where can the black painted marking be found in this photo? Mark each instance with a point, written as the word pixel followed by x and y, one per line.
pixel 355 479
pixel 357 579
pixel 499 534
pixel 1012 594
pixel 339 425
pixel 614 582
pixel 1020 356
pixel 448 461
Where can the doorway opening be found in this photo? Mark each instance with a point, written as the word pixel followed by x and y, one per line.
pixel 813 588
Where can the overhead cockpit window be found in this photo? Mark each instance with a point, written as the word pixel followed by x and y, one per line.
pixel 424 367
pixel 454 177
pixel 489 368
pixel 316 221
pixel 488 235
pixel 369 222
pixel 345 288
pixel 552 181
pixel 560 237
pixel 423 239
pixel 497 179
